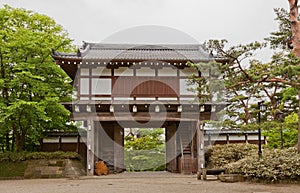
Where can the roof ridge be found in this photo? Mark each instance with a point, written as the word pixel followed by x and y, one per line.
pixel 127 52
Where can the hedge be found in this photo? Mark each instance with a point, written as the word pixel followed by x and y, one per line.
pixel 276 165
pixel 218 156
pixel 22 156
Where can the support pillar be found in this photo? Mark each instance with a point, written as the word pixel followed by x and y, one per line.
pixel 118 149
pixel 227 139
pixel 246 139
pixel 78 144
pixel 200 150
pixel 209 140
pixel 59 143
pixel 171 148
pixel 96 141
pixel 90 148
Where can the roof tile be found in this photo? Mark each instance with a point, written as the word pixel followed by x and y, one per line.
pixel 157 52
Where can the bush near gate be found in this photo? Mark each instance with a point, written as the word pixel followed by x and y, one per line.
pixel 218 156
pixel 23 156
pixel 276 165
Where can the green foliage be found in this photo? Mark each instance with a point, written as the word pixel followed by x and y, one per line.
pixel 146 152
pixel 241 81
pixel 289 93
pixel 218 156
pixel 275 166
pixel 147 139
pixel 210 86
pixel 32 86
pixel 23 156
pixel 282 37
pixel 145 160
pixel 289 129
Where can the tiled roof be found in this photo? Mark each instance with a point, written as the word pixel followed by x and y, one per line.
pixel 171 52
pixel 228 131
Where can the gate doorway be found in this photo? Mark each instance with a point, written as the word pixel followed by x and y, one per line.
pixel 176 148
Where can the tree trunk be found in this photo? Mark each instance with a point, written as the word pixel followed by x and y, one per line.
pixel 295 28
pixel 20 139
pixel 299 122
pixel 13 142
pixel 5 97
pixel 7 142
pixel 19 143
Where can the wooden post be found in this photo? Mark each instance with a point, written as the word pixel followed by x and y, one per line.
pixel 204 174
pixel 78 144
pixel 90 148
pixel 171 150
pixel 96 141
pixel 118 148
pixel 200 150
pixel 227 139
pixel 59 143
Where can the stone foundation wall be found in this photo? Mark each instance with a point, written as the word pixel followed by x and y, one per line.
pixel 60 168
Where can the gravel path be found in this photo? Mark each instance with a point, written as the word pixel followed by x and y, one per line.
pixel 154 182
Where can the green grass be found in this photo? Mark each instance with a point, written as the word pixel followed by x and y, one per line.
pixel 12 169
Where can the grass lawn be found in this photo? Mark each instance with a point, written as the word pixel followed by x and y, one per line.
pixel 12 169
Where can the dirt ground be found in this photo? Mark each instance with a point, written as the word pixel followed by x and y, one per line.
pixel 158 182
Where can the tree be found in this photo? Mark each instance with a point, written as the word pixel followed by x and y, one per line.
pixel 248 80
pixel 31 84
pixel 283 37
pixel 295 29
pixel 289 130
pixel 241 85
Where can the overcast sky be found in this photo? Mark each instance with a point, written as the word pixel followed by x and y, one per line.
pixel 239 21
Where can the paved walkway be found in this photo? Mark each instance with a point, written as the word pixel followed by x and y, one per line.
pixel 154 182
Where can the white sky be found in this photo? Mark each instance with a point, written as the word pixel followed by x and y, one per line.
pixel 239 21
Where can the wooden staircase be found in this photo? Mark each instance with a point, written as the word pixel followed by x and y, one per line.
pixel 186 160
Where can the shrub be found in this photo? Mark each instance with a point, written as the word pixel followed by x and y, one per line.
pixel 12 156
pixel 218 156
pixel 22 156
pixel 276 165
pixel 52 155
pixel 144 160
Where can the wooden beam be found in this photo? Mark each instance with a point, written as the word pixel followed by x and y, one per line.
pixel 141 116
